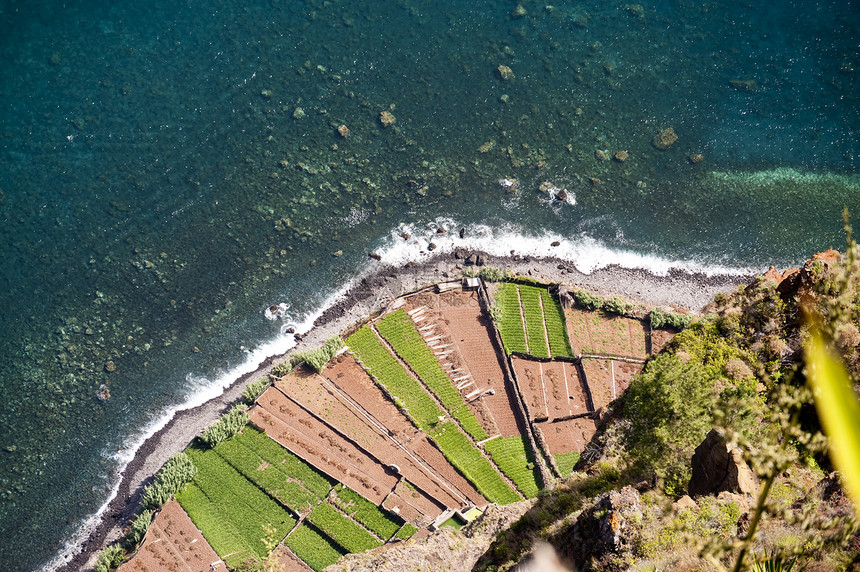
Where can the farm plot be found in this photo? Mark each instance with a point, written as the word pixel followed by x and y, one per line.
pixel 565 463
pixel 316 549
pixel 469 461
pixel 598 334
pixel 321 398
pixel 342 529
pixel 469 328
pixel 513 455
pixel 511 324
pixel 320 446
pixel 238 505
pixel 288 561
pixel 400 332
pixel 349 376
pixel 413 504
pixel 608 379
pixel 568 436
pixel 530 380
pixel 556 331
pixel 173 543
pixel 288 491
pixel 659 339
pixel 432 456
pixel 389 373
pixel 530 299
pixel 565 391
pixel 368 514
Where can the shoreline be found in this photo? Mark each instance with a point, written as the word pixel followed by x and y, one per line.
pixel 678 289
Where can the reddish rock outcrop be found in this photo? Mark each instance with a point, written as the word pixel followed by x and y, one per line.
pixel 719 466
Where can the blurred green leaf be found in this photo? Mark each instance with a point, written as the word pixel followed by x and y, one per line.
pixel 838 410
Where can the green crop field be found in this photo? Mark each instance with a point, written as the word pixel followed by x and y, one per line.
pixel 511 324
pixel 400 332
pixel 289 491
pixel 531 303
pixel 284 461
pixel 387 371
pixel 244 506
pixel 565 462
pixel 342 529
pixel 217 529
pixel 556 331
pixel 362 510
pixel 513 455
pixel 314 548
pixel 469 461
pixel 406 532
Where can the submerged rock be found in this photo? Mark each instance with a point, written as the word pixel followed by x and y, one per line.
pixel 505 72
pixel 387 119
pixel 665 139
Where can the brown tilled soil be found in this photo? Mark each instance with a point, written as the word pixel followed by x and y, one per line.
pixel 530 381
pixel 347 374
pixel 173 543
pixel 289 561
pixel 291 426
pixel 433 457
pixel 597 333
pixel 659 339
pixel 608 379
pixel 567 436
pixel 413 505
pixel 470 329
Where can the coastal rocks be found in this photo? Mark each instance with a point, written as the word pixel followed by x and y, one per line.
pixel 744 84
pixel 505 73
pixel 719 466
pixel 510 185
pixel 387 119
pixel 665 139
pixel 374 256
pixel 604 531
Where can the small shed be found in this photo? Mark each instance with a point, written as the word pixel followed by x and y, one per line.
pixel 471 283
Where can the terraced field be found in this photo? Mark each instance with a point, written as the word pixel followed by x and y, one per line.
pixel 532 321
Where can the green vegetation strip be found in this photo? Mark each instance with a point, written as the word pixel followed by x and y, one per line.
pixel 217 528
pixel 367 513
pixel 388 372
pixel 515 459
pixel 342 529
pixel 406 531
pixel 556 331
pixel 565 462
pixel 530 297
pixel 400 332
pixel 243 505
pixel 288 491
pixel 314 548
pixel 286 462
pixel 469 461
pixel 511 325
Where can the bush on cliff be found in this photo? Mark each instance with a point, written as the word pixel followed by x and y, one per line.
pixel 318 358
pixel 176 472
pixel 228 425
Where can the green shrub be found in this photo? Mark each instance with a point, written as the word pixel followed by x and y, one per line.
pixel 617 306
pixel 496 314
pixel 491 274
pixel 282 368
pixel 254 389
pixel 319 357
pixel 137 531
pixel 588 300
pixel 660 319
pixel 109 558
pixel 176 472
pixel 670 410
pixel 228 425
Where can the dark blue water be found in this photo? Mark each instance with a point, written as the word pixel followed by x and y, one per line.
pixel 169 169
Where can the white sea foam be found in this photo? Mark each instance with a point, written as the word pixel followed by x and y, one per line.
pixel 585 253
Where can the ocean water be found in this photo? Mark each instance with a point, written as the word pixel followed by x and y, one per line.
pixel 170 169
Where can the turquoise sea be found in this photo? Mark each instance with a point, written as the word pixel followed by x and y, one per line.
pixel 169 169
